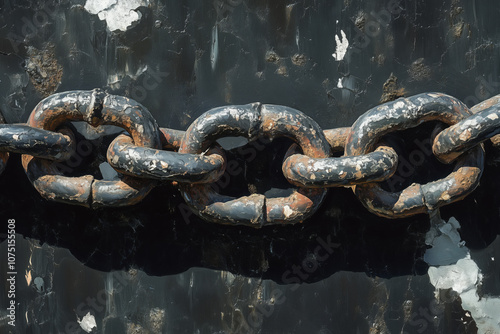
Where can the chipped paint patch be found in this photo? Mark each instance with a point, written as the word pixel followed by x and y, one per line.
pixel 287 211
pixel 87 323
pixel 492 116
pixel 118 14
pixel 463 275
pixel 342 45
pixel 339 84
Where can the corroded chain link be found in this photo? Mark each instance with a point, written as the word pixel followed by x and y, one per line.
pixel 147 154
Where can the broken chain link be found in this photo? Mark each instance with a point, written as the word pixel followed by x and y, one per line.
pixel 148 154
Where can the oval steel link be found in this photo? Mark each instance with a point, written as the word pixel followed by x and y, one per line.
pixel 475 129
pixel 21 138
pixel 304 171
pixel 96 108
pixel 163 165
pixel 253 121
pixel 406 113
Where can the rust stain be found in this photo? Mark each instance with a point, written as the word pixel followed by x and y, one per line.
pixel 44 70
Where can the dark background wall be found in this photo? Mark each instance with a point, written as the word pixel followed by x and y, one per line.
pixel 182 58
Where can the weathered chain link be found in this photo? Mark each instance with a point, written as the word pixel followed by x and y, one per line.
pixel 148 154
pixel 254 121
pixel 405 113
pixel 130 159
pixel 452 142
pixel 96 108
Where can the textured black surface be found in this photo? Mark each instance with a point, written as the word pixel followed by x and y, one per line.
pixel 174 273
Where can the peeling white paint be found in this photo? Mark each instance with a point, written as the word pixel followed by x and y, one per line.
pixel 446 245
pixel 464 276
pixel 287 211
pixel 493 116
pixel 342 45
pixel 87 323
pixel 339 84
pixel 399 105
pixel 134 155
pixel 461 277
pixel 118 14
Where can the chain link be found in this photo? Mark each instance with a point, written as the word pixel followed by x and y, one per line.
pixel 147 154
pixel 128 158
pixel 452 142
pixel 406 113
pixel 254 121
pixel 96 108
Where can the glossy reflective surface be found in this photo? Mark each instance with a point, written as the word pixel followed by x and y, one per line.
pixel 157 268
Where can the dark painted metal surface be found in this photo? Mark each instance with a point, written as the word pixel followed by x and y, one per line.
pixel 21 138
pixel 182 58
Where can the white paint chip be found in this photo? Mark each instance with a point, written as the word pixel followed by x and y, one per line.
pixel 493 117
pixel 341 48
pixel 339 84
pixel 461 277
pixel 287 211
pixel 464 276
pixel 446 245
pixel 118 14
pixel 87 323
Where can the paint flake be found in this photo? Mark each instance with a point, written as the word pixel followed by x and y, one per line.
pixel 341 48
pixel 118 14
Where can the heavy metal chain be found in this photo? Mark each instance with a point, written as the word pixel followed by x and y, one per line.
pixel 148 154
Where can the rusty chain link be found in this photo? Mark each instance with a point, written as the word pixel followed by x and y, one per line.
pixel 253 121
pixel 407 113
pixel 96 108
pixel 148 154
